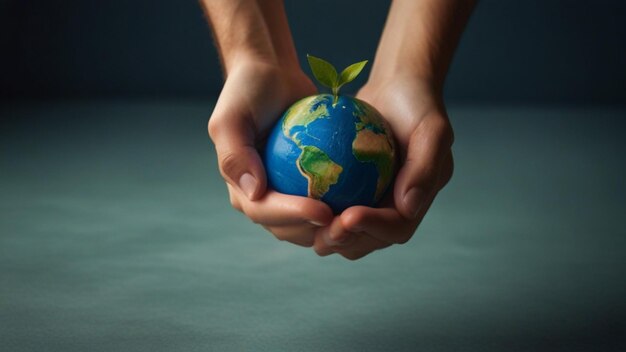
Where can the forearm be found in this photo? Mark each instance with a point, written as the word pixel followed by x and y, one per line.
pixel 419 39
pixel 251 31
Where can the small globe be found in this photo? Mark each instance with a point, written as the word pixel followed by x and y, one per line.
pixel 340 152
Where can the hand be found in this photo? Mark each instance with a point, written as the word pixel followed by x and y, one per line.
pixel 424 137
pixel 252 100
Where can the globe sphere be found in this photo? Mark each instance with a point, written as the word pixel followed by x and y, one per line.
pixel 335 149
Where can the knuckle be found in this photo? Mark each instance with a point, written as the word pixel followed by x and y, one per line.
pixel 451 137
pixel 229 162
pixel 214 127
pixel 427 179
pixel 448 171
pixel 442 129
pixel 351 218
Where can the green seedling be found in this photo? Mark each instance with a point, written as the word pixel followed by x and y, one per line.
pixel 326 74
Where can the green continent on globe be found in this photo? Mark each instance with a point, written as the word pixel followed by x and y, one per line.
pixel 316 166
pixel 300 115
pixel 372 144
pixel 319 169
pixel 368 117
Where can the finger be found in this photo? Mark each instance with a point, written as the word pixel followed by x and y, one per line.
pixel 302 235
pixel 324 244
pixel 446 171
pixel 336 234
pixel 418 178
pixel 233 196
pixel 362 246
pixel 278 209
pixel 239 162
pixel 384 224
pixel 321 247
pixel 387 224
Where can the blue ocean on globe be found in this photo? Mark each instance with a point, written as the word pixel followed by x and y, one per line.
pixel 340 152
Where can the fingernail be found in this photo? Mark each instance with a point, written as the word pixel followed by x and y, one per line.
pixel 316 223
pixel 412 200
pixel 248 183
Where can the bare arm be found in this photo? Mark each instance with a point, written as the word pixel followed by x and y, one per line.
pixel 263 77
pixel 419 39
pixel 406 85
pixel 251 30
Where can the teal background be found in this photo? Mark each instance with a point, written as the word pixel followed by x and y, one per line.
pixel 116 235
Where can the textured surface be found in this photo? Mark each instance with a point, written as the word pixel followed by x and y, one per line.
pixel 116 235
pixel 336 149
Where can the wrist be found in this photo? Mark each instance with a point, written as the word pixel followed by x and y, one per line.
pixel 403 80
pixel 250 56
pixel 264 64
pixel 285 84
pixel 245 57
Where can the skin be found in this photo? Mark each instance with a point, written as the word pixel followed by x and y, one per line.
pixel 263 78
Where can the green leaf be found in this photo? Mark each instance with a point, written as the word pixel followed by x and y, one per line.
pixel 323 71
pixel 351 72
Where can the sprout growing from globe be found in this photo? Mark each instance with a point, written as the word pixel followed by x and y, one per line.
pixel 326 74
pixel 334 148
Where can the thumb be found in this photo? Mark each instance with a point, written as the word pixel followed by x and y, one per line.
pixel 418 179
pixel 239 162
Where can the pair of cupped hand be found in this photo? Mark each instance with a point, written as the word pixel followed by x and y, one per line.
pixel 254 98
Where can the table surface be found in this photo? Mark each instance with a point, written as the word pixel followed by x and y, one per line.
pixel 116 234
